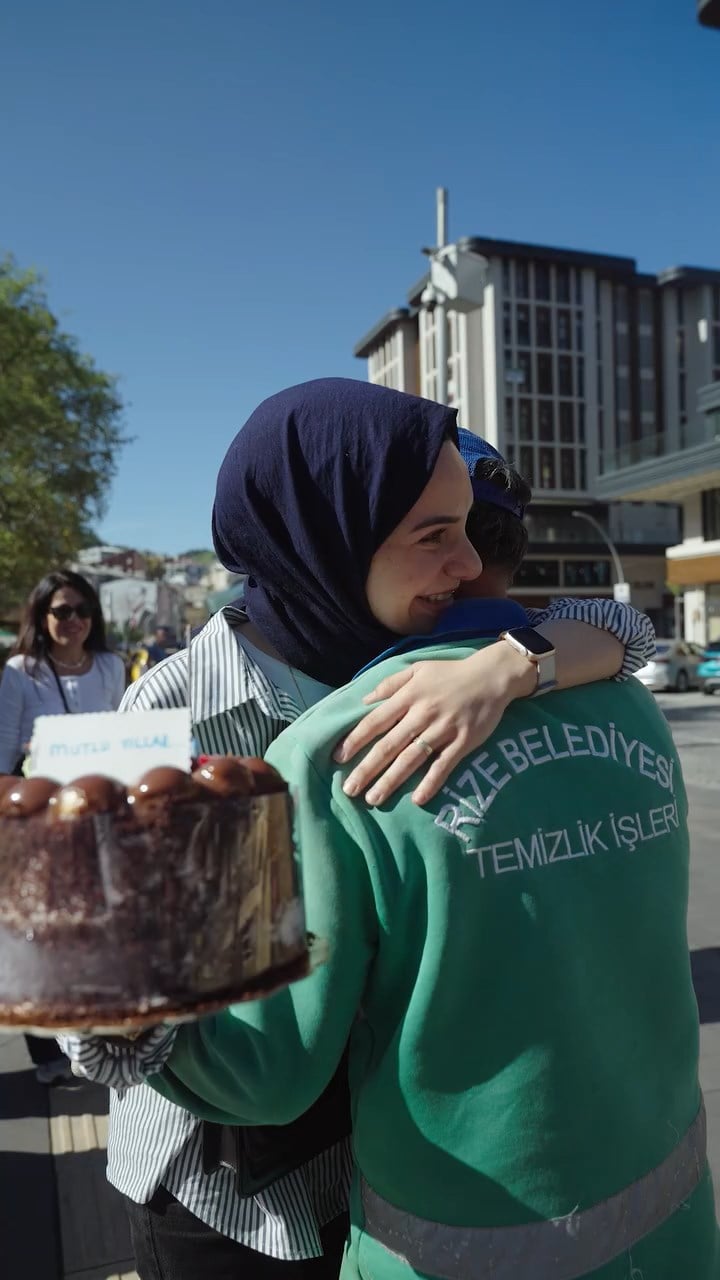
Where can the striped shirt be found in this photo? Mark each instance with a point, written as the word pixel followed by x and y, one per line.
pixel 236 710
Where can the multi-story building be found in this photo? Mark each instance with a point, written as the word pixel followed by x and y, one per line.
pixel 575 366
pixel 686 470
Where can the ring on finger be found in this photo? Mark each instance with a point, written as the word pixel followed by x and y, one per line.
pixel 429 751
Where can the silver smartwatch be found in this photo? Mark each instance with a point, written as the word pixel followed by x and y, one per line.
pixel 538 650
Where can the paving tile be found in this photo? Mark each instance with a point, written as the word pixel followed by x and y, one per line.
pixel 712 1104
pixel 93 1224
pixel 103 1273
pixel 710 1056
pixel 26 1172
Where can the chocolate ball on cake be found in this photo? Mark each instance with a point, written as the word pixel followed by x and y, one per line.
pixel 26 796
pixel 267 781
pixel 225 776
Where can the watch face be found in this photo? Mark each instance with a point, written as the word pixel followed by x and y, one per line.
pixel 532 640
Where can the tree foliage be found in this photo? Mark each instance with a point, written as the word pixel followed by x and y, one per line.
pixel 60 435
pixel 154 567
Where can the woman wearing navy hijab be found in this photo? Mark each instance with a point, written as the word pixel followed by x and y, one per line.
pixel 309 489
pixel 312 492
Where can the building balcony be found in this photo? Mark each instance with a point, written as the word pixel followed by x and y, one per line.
pixel 652 470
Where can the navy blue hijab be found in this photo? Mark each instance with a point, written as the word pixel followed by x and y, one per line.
pixel 311 486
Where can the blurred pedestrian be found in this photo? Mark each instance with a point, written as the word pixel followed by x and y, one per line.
pixel 161 646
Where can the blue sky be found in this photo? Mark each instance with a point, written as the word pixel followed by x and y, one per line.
pixel 225 197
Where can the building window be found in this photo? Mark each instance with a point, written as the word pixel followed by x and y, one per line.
pixel 562 284
pixel 522 319
pixel 567 434
pixel 680 307
pixel 507 276
pixel 567 468
pixel 564 339
pixel 524 364
pixel 509 417
pixel 543 327
pixel 645 307
pixel 680 348
pixel 545 375
pixel 545 420
pixel 716 344
pixel 525 431
pixel 542 281
pixel 620 304
pixel 711 515
pixel 538 573
pixel 587 573
pixel 622 391
pixel 547 469
pixel 565 378
pixel 581 423
pixel 622 346
pixel 582 481
pixel 578 287
pixel 579 331
pixel 647 351
pixel 521 280
pixel 580 375
pixel 527 465
pixel 682 393
pixel 716 303
pixel 647 396
pixel 507 324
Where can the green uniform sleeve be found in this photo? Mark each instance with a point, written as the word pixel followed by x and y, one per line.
pixel 266 1061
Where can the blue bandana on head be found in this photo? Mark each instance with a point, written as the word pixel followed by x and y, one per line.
pixel 472 449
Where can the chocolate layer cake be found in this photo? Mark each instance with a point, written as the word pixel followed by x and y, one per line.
pixel 120 907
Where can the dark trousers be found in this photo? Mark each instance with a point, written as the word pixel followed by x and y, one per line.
pixel 43 1049
pixel 170 1243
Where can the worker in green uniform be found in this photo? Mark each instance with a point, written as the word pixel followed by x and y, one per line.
pixel 509 967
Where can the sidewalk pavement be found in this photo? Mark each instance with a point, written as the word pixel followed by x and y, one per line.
pixel 59 1218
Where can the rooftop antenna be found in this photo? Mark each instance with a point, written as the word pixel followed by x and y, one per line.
pixel 441 205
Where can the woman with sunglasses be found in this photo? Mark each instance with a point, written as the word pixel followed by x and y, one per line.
pixel 59 665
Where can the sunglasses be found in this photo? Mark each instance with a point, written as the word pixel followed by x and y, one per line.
pixel 64 612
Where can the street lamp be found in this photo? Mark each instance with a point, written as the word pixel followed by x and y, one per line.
pixel 623 593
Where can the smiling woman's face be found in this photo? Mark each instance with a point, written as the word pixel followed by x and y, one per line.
pixel 69 632
pixel 415 572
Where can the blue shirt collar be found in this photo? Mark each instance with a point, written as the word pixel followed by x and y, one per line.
pixel 465 620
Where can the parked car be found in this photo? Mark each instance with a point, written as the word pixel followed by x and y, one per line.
pixel 709 669
pixel 675 666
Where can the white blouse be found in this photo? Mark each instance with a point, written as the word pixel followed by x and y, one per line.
pixel 29 689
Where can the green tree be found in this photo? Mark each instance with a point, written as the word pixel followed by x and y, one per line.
pixel 60 435
pixel 154 566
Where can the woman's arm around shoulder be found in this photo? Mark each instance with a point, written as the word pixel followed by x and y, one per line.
pixel 454 707
pixel 631 629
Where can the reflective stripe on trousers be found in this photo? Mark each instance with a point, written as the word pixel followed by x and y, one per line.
pixel 559 1249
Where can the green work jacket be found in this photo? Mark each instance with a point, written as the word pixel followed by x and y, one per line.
pixel 510 968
